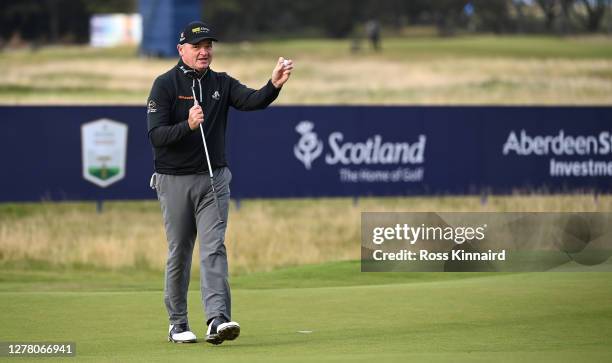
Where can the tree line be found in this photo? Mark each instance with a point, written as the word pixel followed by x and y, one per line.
pixel 67 21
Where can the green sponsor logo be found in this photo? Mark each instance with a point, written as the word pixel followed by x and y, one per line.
pixel 103 173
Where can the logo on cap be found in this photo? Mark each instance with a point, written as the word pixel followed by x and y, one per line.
pixel 200 29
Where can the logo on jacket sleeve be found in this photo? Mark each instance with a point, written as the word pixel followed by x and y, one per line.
pixel 151 107
pixel 216 95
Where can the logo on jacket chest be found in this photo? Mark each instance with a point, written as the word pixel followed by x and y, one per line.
pixel 215 96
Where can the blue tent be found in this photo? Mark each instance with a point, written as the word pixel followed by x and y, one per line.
pixel 162 21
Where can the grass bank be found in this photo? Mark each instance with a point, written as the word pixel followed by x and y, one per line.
pixel 262 235
pixel 517 70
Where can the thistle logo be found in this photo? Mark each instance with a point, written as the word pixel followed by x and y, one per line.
pixel 309 147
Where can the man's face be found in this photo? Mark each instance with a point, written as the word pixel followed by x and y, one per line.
pixel 197 56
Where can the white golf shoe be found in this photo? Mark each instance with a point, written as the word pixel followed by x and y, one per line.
pixel 180 333
pixel 220 330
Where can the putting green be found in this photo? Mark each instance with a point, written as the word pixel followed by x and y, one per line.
pixel 350 316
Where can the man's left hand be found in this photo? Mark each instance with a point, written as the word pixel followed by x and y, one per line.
pixel 281 72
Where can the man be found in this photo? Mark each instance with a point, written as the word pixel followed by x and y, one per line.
pixel 187 108
pixel 373 32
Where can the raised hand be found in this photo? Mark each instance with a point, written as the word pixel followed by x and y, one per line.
pixel 281 72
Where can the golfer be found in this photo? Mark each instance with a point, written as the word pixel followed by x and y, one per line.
pixel 187 119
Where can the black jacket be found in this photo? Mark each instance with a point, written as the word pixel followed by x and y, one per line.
pixel 176 148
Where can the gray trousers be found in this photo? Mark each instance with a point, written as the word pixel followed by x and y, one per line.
pixel 189 207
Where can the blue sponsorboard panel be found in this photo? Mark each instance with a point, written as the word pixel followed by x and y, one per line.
pixel 310 151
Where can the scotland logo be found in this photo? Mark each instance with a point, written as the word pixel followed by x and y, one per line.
pixel 309 147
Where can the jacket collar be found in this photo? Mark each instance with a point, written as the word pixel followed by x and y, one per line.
pixel 190 72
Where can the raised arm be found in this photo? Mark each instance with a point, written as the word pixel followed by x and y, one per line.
pixel 245 99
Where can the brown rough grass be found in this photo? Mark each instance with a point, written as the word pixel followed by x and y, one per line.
pixel 325 76
pixel 262 234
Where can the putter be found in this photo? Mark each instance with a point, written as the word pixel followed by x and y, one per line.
pixel 210 172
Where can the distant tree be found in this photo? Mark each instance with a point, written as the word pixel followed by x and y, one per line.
pixel 21 19
pixel 110 6
pixel 417 11
pixel 247 19
pixel 338 18
pixel 550 8
pixel 492 15
pixel 51 21
pixel 447 14
pixel 223 15
pixel 566 12
pixel 519 7
pixel 595 10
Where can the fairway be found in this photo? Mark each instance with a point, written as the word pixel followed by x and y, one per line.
pixel 352 316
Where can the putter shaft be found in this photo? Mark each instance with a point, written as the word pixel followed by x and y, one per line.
pixel 210 172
